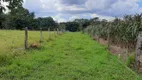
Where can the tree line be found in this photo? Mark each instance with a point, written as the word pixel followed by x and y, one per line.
pixel 18 18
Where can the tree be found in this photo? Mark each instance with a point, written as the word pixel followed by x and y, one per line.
pixel 72 26
pixel 46 23
pixel 15 7
pixel 62 25
pixel 13 4
pixel 83 23
pixel 22 18
pixel 2 19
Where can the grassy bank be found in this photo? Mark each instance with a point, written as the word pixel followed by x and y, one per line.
pixel 72 56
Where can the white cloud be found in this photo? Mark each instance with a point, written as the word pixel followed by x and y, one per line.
pixel 124 7
pixel 70 8
pixel 59 18
pixel 102 17
pixel 97 4
pixel 63 10
pixel 73 17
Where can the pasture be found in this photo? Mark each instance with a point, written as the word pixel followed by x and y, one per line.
pixel 71 56
pixel 13 40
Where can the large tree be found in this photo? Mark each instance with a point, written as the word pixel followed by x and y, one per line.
pixel 22 18
pixel 14 7
pixel 72 26
pixel 46 23
pixel 13 4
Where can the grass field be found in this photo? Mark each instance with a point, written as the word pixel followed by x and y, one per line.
pixel 13 40
pixel 72 56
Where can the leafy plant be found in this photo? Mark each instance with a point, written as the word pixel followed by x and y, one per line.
pixel 122 31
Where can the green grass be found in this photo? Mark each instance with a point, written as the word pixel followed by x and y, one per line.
pixel 72 56
pixel 11 40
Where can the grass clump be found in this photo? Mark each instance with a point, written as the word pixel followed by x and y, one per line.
pixel 130 60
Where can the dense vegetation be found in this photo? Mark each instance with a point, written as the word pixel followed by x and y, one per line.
pixel 122 32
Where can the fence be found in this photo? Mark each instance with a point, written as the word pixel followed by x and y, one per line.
pixel 56 32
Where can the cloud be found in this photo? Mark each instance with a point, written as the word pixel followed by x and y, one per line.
pixel 59 18
pixel 74 17
pixel 123 7
pixel 33 5
pixel 72 2
pixel 102 17
pixel 64 10
pixel 99 4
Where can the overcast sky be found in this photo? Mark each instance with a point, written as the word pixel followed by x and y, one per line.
pixel 65 10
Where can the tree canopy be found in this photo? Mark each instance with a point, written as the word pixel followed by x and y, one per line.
pixel 19 18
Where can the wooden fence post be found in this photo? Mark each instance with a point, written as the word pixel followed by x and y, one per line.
pixel 92 32
pixel 60 31
pixel 40 34
pixel 57 31
pixel 108 38
pixel 49 33
pixel 98 38
pixel 138 52
pixel 64 30
pixel 26 38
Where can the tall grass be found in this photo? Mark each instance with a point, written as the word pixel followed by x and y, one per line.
pixel 123 32
pixel 12 42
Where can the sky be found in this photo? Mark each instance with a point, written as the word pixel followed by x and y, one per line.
pixel 68 10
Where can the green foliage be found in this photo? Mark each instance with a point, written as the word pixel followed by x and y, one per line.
pixel 120 30
pixel 76 25
pixel 83 23
pixel 19 18
pixel 2 19
pixel 130 60
pixel 5 59
pixel 46 23
pixel 14 5
pixel 72 26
